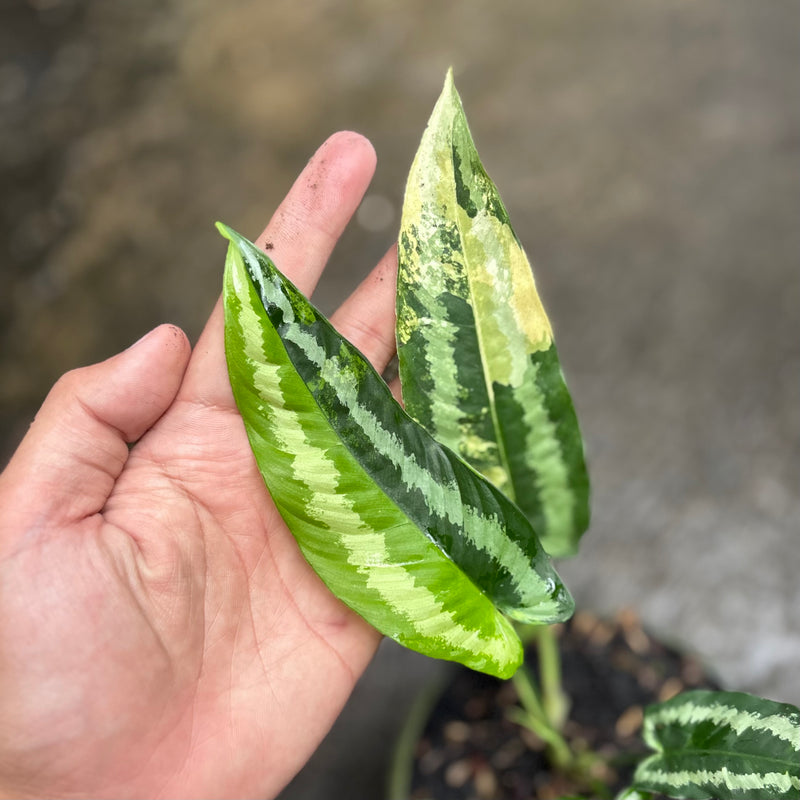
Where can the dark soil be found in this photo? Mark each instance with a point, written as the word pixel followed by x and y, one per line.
pixel 612 670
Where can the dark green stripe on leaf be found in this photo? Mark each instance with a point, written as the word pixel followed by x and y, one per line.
pixel 552 502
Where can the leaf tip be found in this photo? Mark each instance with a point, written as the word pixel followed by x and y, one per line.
pixel 226 232
pixel 449 88
pixel 236 242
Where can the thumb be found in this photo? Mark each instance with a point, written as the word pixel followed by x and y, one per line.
pixel 67 464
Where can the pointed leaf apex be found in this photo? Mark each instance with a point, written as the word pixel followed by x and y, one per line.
pixel 450 93
pixel 224 230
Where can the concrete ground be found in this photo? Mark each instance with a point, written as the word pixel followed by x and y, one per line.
pixel 648 153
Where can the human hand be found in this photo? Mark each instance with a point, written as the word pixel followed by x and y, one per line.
pixel 161 633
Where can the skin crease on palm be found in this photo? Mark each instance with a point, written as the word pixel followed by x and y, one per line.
pixel 161 634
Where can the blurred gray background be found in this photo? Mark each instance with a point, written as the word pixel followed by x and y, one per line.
pixel 648 152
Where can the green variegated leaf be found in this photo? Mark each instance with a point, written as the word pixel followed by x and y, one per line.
pixel 633 794
pixel 397 526
pixel 478 365
pixel 722 745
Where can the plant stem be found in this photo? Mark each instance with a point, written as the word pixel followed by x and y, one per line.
pixel 545 708
pixel 532 715
pixel 554 700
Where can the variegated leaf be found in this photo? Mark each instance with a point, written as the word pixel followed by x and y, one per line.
pixel 633 794
pixel 722 745
pixel 397 526
pixel 478 365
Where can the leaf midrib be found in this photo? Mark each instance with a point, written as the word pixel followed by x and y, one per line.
pixel 728 755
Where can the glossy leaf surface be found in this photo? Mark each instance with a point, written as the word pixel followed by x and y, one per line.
pixel 478 365
pixel 722 745
pixel 398 527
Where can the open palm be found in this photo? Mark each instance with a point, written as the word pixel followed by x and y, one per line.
pixel 161 633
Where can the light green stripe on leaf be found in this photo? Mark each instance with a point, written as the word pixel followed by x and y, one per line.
pixel 740 721
pixel 478 365
pixel 401 530
pixel 699 784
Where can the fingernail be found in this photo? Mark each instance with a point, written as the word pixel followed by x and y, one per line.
pixel 139 341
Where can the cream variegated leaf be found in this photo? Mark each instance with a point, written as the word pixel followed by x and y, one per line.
pixel 478 365
pixel 398 526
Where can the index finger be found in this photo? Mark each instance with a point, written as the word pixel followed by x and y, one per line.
pixel 299 238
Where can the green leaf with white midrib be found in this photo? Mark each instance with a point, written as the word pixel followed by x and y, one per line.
pixel 722 745
pixel 398 526
pixel 478 365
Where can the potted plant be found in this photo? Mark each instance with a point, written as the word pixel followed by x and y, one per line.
pixel 437 520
